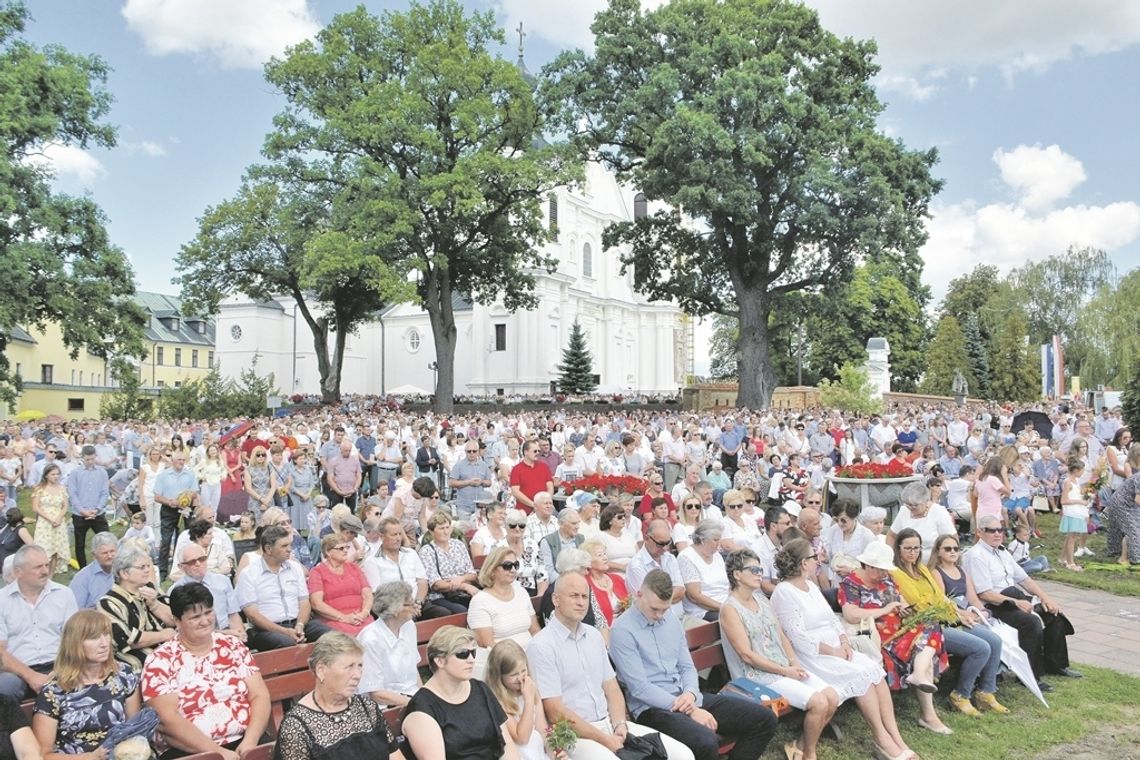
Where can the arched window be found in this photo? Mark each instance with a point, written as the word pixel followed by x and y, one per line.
pixel 587 261
pixel 413 340
pixel 640 206
pixel 552 214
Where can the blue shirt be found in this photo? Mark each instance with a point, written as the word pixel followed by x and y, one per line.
pixel 366 446
pixel 89 584
pixel 465 496
pixel 730 440
pixel 951 468
pixel 170 483
pixel 225 598
pixel 652 660
pixel 87 489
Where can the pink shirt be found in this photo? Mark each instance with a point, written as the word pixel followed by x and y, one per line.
pixel 989 496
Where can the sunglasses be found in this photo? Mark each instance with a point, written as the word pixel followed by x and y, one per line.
pixel 197 561
pixel 692 506
pixel 662 544
pixel 516 525
pixel 991 530
pixel 754 569
pixel 510 567
pixel 949 548
pixel 464 654
pixel 733 506
pixel 813 503
pixel 750 501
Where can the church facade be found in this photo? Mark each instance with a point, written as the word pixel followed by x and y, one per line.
pixel 638 346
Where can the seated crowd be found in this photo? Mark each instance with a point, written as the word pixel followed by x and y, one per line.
pixel 572 612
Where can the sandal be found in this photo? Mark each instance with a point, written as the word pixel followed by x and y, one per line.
pixel 921 685
pixel 792 752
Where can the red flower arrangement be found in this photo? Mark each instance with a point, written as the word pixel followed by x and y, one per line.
pixel 599 483
pixel 876 471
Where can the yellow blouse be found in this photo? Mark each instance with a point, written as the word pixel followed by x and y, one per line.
pixel 922 592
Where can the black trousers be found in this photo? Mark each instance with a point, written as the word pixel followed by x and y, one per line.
pixel 1041 635
pixel 168 519
pixel 82 525
pixel 750 724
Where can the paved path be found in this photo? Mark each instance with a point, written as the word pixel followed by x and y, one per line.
pixel 1108 626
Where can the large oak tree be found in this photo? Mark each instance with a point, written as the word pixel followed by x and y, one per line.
pixel 758 128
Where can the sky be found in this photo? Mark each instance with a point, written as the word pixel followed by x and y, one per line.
pixel 1032 105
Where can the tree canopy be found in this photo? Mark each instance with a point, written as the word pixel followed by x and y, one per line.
pixel 757 127
pixel 58 263
pixel 432 145
pixel 945 356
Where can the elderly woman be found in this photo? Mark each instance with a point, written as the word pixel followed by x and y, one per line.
pixel 1123 513
pixel 974 642
pixel 339 593
pixel 758 650
pixel 874 519
pixel 739 532
pixel 454 714
pixel 204 685
pixel 334 719
pixel 821 644
pixel 912 655
pixel 620 545
pixel 608 588
pixel 502 610
pixel 613 463
pixel 589 510
pixel 532 573
pixel 450 575
pixel 140 619
pixel 845 537
pixel 391 655
pixel 492 535
pixel 218 561
pixel 89 692
pixel 928 519
pixel 702 570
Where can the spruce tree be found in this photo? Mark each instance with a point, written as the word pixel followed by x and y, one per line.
pixel 947 353
pixel 576 372
pixel 979 356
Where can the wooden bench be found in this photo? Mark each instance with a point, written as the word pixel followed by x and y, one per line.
pixel 425 628
pixel 703 635
pixel 283 690
pixel 713 656
pixel 281 661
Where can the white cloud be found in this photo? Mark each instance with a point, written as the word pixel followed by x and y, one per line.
pixel 238 33
pixel 146 147
pixel 564 24
pixel 68 162
pixel 1041 176
pixel 1006 235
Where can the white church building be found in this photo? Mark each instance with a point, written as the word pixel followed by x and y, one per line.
pixel 638 346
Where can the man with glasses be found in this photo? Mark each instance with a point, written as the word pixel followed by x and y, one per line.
pixel 576 681
pixel 227 614
pixel 221 541
pixel 33 610
pixel 469 478
pixel 176 491
pixel 655 554
pixel 1017 600
pixel 274 596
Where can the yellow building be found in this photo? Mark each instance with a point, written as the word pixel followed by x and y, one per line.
pixel 179 348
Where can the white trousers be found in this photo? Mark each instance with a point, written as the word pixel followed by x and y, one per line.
pixel 587 749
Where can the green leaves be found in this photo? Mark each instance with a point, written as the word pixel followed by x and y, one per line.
pixel 58 264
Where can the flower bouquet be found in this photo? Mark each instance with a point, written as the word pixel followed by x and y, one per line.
pixel 561 738
pixel 184 502
pixel 923 618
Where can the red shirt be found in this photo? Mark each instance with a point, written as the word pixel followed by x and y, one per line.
pixel 646 505
pixel 530 479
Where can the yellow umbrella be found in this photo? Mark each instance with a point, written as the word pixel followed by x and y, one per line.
pixel 30 414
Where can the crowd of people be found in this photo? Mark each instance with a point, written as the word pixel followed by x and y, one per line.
pixel 344 527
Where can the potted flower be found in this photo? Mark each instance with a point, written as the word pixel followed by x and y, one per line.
pixel 873 484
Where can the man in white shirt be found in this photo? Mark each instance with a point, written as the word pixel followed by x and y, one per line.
pixel 1002 585
pixel 588 455
pixel 576 681
pixel 686 485
pixel 274 596
pixel 654 554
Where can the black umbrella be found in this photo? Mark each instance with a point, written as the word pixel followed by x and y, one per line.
pixel 1041 423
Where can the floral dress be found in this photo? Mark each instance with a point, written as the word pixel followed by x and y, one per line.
pixel 259 482
pixel 301 495
pixel 86 714
pixel 898 650
pixel 53 540
pixel 531 570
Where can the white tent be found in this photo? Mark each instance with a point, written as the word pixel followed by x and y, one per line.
pixel 408 390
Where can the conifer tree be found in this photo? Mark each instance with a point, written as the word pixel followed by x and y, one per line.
pixel 979 356
pixel 576 372
pixel 946 354
pixel 1130 400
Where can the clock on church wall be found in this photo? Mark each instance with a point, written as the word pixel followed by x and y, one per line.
pixel 235 333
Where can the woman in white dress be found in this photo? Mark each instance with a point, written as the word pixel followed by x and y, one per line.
pixel 703 573
pixel 739 532
pixel 845 537
pixel 821 644
pixel 688 517
pixel 620 546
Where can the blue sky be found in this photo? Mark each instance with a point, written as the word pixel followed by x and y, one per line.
pixel 1032 104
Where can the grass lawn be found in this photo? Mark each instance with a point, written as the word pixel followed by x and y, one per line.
pixel 1100 700
pixel 1120 581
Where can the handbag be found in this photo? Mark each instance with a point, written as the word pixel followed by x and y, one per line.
pixel 645 747
pixel 757 692
pixel 455 596
pixel 864 637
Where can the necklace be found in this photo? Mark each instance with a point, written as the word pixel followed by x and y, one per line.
pixel 340 717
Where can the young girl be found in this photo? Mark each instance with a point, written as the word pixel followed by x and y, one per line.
pixel 1074 513
pixel 143 532
pixel 50 503
pixel 247 527
pixel 511 683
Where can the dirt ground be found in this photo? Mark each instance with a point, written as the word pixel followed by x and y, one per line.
pixel 1110 742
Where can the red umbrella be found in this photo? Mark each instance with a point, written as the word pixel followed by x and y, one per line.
pixel 235 432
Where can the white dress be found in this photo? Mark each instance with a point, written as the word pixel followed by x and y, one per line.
pixel 711 575
pixel 534 749
pixel 808 621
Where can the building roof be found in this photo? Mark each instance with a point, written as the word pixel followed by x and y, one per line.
pixel 168 324
pixel 20 334
pixel 877 344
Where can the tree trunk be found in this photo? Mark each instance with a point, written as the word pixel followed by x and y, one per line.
pixel 330 387
pixel 330 380
pixel 438 305
pixel 757 378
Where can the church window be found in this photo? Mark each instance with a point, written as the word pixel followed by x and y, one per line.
pixel 414 340
pixel 587 261
pixel 501 337
pixel 552 213
pixel 235 332
pixel 640 206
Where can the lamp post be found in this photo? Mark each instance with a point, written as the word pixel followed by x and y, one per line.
pixel 434 367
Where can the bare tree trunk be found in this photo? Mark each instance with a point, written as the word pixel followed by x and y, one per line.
pixel 319 327
pixel 442 317
pixel 757 378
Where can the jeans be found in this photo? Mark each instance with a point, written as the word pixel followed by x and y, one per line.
pixel 749 724
pixel 261 640
pixel 169 518
pixel 81 526
pixel 980 650
pixel 11 685
pixel 1035 565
